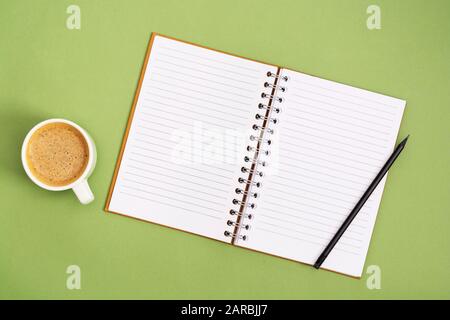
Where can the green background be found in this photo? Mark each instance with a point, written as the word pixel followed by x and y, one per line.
pixel 90 76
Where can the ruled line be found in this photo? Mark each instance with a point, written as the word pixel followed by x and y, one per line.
pixel 175 199
pixel 234 145
pixel 370 172
pixel 234 94
pixel 298 104
pixel 284 235
pixel 341 121
pixel 205 72
pixel 344 93
pixel 228 85
pixel 198 106
pixel 174 170
pixel 165 182
pixel 178 122
pixel 192 112
pixel 314 235
pixel 209 59
pixel 342 100
pixel 218 166
pixel 154 144
pixel 283 136
pixel 187 117
pixel 171 177
pixel 184 167
pixel 334 227
pixel 170 205
pixel 215 68
pixel 331 204
pixel 338 127
pixel 328 139
pixel 229 145
pixel 202 178
pixel 383 146
pixel 220 159
pixel 314 164
pixel 148 134
pixel 177 193
pixel 318 207
pixel 146 121
pixel 337 222
pixel 155 130
pixel 197 98
pixel 304 240
pixel 202 92
pixel 277 205
pixel 321 187
pixel 289 178
pixel 341 107
pixel 210 104
pixel 312 192
pixel 302 146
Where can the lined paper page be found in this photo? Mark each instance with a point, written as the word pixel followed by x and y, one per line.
pixel 331 141
pixel 187 137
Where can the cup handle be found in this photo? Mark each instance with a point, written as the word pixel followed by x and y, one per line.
pixel 83 192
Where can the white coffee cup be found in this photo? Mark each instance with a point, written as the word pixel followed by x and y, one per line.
pixel 79 186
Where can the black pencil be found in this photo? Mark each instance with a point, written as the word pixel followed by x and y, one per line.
pixel 360 203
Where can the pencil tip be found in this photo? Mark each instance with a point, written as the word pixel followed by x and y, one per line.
pixel 404 140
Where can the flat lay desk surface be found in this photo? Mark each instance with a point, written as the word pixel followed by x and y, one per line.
pixel 90 75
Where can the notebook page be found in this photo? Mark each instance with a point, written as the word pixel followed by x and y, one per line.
pixel 186 140
pixel 330 143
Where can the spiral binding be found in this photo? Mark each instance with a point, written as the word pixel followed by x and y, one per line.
pixel 253 161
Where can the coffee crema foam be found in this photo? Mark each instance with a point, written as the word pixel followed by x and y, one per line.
pixel 57 154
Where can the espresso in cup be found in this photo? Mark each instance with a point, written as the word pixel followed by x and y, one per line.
pixel 57 154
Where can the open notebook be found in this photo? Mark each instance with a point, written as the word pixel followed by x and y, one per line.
pixel 253 154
